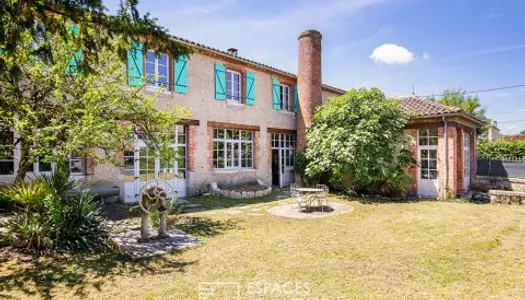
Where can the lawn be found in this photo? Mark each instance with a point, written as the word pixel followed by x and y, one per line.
pixel 419 250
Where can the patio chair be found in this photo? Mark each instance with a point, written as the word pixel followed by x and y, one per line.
pixel 322 197
pixel 297 195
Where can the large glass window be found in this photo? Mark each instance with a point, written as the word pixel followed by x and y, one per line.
pixel 428 142
pixel 232 149
pixel 233 85
pixel 145 160
pixel 157 71
pixel 284 94
pixel 7 162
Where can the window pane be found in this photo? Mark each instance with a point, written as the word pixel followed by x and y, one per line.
pixel 433 154
pixel 76 166
pixel 424 174
pixel 236 134
pixel 229 134
pixel 433 141
pixel 433 175
pixel 423 141
pixel 432 164
pixel 163 59
pixel 7 168
pixel 424 164
pixel 44 167
pixel 433 132
pixel 424 154
pixel 150 56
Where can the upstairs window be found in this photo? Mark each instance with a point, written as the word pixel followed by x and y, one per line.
pixel 157 70
pixel 233 86
pixel 284 94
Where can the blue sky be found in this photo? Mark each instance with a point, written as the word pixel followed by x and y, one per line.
pixel 431 44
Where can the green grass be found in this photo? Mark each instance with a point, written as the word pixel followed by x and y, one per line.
pixel 420 250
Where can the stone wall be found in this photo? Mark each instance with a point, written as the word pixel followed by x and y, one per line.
pixel 500 183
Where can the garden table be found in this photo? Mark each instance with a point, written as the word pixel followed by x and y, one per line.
pixel 309 195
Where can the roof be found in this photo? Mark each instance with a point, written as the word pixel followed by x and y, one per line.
pixel 424 108
pixel 248 61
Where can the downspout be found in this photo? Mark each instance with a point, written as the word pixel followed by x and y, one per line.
pixel 446 158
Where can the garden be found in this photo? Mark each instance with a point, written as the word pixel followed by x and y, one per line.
pixel 381 250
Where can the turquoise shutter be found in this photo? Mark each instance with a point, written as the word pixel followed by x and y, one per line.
pixel 276 94
pixel 295 99
pixel 135 64
pixel 220 82
pixel 72 67
pixel 181 75
pixel 250 88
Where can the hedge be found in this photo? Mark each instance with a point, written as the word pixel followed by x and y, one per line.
pixel 501 149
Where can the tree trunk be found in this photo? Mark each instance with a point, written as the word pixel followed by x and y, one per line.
pixel 24 163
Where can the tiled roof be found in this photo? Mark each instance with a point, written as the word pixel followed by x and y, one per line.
pixel 425 108
pixel 249 61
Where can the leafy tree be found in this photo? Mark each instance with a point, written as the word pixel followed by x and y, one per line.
pixel 360 136
pixel 459 98
pixel 97 30
pixel 522 132
pixel 57 110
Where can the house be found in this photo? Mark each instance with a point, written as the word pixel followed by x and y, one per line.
pixel 249 119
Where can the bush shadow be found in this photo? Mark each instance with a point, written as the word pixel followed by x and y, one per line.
pixel 38 278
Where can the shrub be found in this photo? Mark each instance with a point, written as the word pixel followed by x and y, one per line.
pixel 500 149
pixel 359 138
pixel 48 219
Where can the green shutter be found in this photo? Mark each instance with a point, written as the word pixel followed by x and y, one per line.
pixel 220 82
pixel 181 75
pixel 250 88
pixel 135 64
pixel 276 94
pixel 295 99
pixel 72 67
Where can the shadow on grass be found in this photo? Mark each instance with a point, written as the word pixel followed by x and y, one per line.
pixel 203 226
pixel 38 278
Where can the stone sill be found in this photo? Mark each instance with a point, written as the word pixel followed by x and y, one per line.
pixel 509 179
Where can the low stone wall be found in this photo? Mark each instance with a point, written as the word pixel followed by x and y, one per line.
pixel 215 190
pixel 500 183
pixel 507 197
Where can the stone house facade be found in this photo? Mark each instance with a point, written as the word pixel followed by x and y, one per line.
pixel 248 119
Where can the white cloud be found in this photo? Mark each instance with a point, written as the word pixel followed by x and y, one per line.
pixel 425 56
pixel 392 54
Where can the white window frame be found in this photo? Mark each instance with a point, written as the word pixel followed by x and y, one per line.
pixel 231 143
pixel 284 98
pixel 231 74
pixel 287 143
pixel 135 156
pixel 428 147
pixel 156 84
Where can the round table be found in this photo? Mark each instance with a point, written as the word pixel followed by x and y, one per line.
pixel 311 197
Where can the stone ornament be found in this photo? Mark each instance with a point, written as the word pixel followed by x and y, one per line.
pixel 156 194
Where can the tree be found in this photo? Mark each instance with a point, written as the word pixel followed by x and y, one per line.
pixel 23 19
pixel 360 135
pixel 57 110
pixel 459 98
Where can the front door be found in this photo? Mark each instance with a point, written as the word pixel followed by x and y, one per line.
pixel 466 161
pixel 428 163
pixel 283 159
pixel 275 168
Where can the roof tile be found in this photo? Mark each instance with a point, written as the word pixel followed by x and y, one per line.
pixel 425 108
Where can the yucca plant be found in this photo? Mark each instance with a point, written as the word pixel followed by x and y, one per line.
pixel 28 230
pixel 27 195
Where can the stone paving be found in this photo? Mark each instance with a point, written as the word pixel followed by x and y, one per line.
pixel 126 234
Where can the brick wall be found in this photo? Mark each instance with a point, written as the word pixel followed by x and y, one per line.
pixel 192 147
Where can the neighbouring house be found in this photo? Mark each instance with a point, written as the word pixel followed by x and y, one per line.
pixel 249 119
pixel 493 132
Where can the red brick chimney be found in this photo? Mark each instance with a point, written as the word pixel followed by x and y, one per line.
pixel 308 81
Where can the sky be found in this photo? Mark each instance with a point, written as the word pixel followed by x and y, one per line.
pixel 399 46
